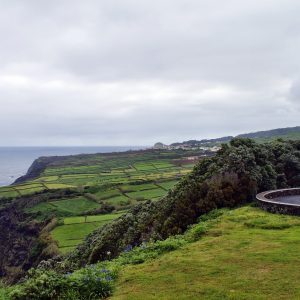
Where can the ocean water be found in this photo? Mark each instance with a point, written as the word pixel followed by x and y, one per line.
pixel 15 161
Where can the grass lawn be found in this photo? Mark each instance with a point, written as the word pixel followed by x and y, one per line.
pixel 147 194
pixel 30 191
pixel 8 193
pixel 88 219
pixel 75 205
pixel 57 185
pixel 167 184
pixel 108 194
pixel 139 187
pixel 65 207
pixel 73 232
pixel 75 229
pixel 144 167
pixel 118 201
pixel 247 254
pixel 3 293
pixel 163 165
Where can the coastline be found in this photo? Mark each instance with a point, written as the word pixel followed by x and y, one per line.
pixel 15 162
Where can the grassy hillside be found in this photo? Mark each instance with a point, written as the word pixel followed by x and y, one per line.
pixel 107 172
pixel 237 254
pixel 75 229
pixel 101 184
pixel 285 133
pixel 289 133
pixel 231 178
pixel 246 254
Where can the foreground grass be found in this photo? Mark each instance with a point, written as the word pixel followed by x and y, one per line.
pixel 244 253
pixel 3 293
pixel 247 254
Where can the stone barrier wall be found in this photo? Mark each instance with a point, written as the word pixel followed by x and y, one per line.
pixel 265 201
pixel 282 193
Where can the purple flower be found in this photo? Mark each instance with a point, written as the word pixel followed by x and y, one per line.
pixel 128 248
pixel 103 270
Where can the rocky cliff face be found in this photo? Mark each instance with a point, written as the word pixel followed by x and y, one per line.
pixel 37 167
pixel 18 240
pixel 24 242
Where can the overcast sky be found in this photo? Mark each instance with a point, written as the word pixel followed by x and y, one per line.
pixel 132 72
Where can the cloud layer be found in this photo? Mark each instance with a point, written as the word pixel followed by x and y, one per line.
pixel 128 72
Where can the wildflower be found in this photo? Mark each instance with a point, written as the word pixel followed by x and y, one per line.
pixel 144 245
pixel 67 275
pixel 108 278
pixel 128 248
pixel 103 270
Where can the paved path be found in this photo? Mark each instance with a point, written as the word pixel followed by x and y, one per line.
pixel 288 199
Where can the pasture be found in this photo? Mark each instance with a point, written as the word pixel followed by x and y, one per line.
pixel 74 229
pixel 103 183
pixel 246 253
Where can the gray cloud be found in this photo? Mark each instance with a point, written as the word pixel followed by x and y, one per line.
pixel 134 72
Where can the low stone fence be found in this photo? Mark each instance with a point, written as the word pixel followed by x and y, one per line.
pixel 265 201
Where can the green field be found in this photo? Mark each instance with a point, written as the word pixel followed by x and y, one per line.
pixel 147 194
pixel 29 188
pixel 167 185
pixel 245 254
pixel 64 207
pixel 75 229
pixel 118 180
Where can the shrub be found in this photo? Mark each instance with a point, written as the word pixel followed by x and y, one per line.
pixel 231 178
pixel 149 250
pixel 42 285
pixel 92 282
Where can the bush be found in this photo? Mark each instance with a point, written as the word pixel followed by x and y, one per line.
pixel 92 282
pixel 231 178
pixel 42 285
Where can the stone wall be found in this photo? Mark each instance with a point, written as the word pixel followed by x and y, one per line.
pixel 265 202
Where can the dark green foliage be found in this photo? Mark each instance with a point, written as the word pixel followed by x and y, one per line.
pixel 231 178
pixel 89 283
pixel 95 281
pixel 104 209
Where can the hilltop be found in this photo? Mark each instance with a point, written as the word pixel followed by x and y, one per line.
pixel 244 253
pixel 289 133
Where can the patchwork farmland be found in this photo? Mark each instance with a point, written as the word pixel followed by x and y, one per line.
pixel 101 187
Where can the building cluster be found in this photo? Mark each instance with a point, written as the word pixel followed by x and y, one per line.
pixel 184 146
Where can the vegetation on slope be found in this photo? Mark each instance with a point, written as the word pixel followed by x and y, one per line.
pixel 35 215
pixel 274 133
pixel 100 174
pixel 247 254
pixel 289 133
pixel 244 253
pixel 75 229
pixel 231 178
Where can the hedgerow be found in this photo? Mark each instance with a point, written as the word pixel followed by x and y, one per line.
pixel 233 177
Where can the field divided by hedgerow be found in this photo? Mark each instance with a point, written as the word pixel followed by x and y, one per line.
pixel 103 184
pixel 74 229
